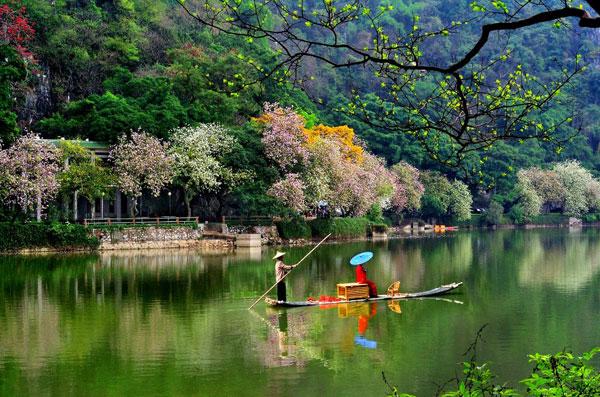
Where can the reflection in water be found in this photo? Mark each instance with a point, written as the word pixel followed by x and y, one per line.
pixel 175 322
pixel 569 263
pixel 395 306
pixel 363 324
pixel 280 350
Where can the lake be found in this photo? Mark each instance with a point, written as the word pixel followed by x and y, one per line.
pixel 175 322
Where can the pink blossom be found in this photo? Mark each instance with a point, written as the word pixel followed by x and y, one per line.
pixel 408 177
pixel 284 139
pixel 290 191
pixel 325 172
pixel 28 173
pixel 142 162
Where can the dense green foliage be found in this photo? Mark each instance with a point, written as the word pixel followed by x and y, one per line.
pixel 339 227
pixel 294 228
pixel 493 215
pixel 17 236
pixel 443 199
pixel 12 70
pixel 591 218
pixel 297 227
pixel 561 374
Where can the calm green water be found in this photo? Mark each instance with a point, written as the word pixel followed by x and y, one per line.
pixel 175 322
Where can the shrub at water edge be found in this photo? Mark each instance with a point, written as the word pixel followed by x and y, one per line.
pixel 37 235
pixel 295 228
pixel 339 227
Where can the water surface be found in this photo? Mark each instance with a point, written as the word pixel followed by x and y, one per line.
pixel 176 322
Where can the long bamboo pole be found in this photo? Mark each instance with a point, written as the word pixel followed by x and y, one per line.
pixel 299 262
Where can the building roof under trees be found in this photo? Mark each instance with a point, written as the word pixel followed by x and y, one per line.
pixel 100 149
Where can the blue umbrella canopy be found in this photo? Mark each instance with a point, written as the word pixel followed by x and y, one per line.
pixel 361 258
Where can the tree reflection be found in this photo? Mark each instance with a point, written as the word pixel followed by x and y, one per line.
pixel 569 262
pixel 176 321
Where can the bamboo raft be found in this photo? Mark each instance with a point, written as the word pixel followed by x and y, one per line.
pixel 443 289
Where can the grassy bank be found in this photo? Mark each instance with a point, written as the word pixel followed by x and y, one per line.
pixel 18 236
pixel 339 228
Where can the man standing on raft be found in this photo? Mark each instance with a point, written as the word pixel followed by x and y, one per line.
pixel 361 274
pixel 281 269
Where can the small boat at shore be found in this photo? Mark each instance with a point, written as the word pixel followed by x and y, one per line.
pixel 401 295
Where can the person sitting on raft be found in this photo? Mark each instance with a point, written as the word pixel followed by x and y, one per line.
pixel 361 273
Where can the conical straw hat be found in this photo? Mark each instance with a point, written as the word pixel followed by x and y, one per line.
pixel 279 254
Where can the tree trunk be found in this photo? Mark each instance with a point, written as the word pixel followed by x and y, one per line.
pixel 65 205
pixel 75 194
pixel 187 197
pixel 218 199
pixel 38 212
pixel 132 207
pixel 93 208
pixel 118 207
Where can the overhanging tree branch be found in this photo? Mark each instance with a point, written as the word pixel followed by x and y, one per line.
pixel 469 106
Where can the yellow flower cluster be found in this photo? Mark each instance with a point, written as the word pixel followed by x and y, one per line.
pixel 343 134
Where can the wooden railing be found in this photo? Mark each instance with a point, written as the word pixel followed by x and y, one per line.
pixel 147 220
pixel 162 220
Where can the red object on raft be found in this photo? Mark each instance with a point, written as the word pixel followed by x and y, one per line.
pixel 323 298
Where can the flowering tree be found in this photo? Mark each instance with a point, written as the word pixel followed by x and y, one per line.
pixel 84 175
pixel 284 139
pixel 408 177
pixel 16 30
pixel 576 181
pixel 15 33
pixel 344 183
pixel 354 193
pixel 594 194
pixel 566 185
pixel 331 165
pixel 330 176
pixel 529 200
pixel 141 162
pixel 376 185
pixel 28 174
pixel 547 185
pixel 290 192
pixel 197 159
pixel 460 201
pixel 324 168
pixel 436 196
pixel 343 134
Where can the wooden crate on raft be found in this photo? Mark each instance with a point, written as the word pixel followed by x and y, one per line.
pixel 349 291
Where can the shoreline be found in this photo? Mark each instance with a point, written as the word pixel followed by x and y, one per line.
pixel 228 245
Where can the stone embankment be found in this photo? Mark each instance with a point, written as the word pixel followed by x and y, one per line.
pixel 159 237
pixel 268 234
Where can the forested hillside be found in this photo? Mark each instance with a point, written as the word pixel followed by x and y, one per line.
pixel 100 68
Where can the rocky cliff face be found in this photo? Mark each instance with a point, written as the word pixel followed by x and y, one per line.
pixel 37 98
